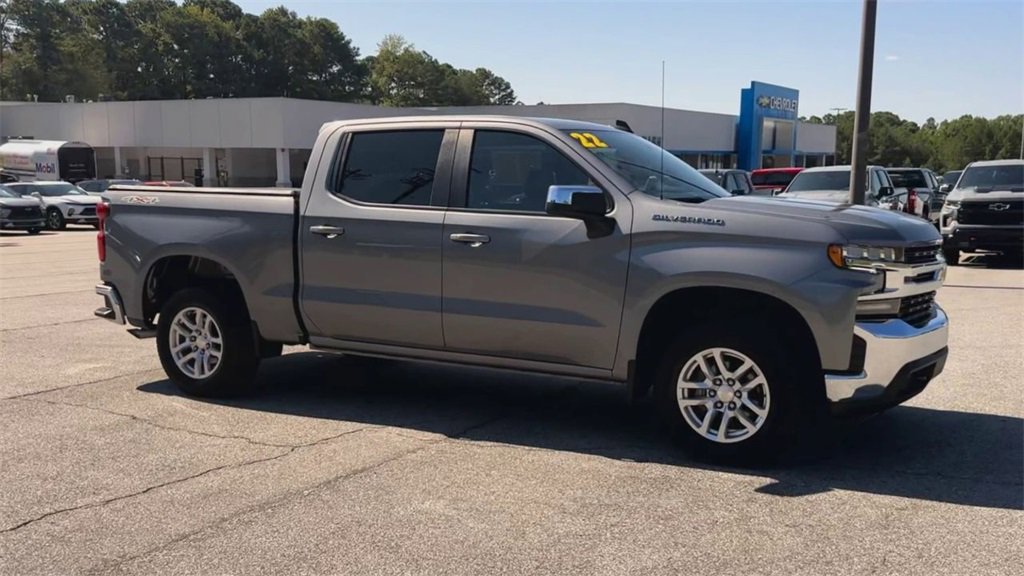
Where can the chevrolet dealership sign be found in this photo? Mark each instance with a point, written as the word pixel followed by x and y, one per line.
pixel 778 103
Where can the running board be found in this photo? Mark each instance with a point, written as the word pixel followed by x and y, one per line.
pixel 143 333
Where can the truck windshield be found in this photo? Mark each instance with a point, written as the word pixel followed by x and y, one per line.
pixel 772 178
pixel 1007 177
pixel 812 181
pixel 908 179
pixel 647 167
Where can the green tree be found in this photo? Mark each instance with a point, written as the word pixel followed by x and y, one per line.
pixel 404 76
pixel 495 89
pixel 331 69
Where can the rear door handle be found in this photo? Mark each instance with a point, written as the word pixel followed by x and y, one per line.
pixel 328 231
pixel 474 240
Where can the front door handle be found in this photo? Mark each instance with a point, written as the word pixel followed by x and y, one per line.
pixel 328 231
pixel 474 240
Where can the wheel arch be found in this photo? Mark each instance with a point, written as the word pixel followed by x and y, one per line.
pixel 178 269
pixel 685 306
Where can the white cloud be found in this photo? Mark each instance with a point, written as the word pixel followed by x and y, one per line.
pixel 891 57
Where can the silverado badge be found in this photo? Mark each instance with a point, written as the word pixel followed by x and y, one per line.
pixel 688 220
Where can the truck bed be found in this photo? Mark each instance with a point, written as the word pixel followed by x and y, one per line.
pixel 250 232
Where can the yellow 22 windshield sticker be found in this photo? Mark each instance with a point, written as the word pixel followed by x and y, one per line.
pixel 588 140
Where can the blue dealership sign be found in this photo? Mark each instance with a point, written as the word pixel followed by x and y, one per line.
pixel 758 102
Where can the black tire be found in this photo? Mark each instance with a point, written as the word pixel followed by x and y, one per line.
pixel 34 231
pixel 55 220
pixel 795 387
pixel 952 255
pixel 240 357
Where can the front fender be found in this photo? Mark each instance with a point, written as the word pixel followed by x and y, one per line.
pixel 796 274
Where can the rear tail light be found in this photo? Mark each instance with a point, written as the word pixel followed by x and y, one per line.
pixel 102 212
pixel 911 201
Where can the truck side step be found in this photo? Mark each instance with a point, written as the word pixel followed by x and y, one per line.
pixel 143 333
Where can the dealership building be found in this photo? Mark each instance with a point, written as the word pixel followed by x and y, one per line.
pixel 267 141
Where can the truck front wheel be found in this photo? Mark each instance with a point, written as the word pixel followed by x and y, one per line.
pixel 206 345
pixel 731 396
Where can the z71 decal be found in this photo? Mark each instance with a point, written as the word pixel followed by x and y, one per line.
pixel 141 199
pixel 688 220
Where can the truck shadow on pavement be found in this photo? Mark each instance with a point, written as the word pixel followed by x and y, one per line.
pixel 911 452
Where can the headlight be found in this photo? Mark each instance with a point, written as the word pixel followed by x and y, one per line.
pixel 5 212
pixel 950 205
pixel 71 211
pixel 861 257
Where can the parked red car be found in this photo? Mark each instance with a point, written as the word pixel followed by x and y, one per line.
pixel 773 180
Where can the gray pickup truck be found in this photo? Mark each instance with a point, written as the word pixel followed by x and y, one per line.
pixel 549 246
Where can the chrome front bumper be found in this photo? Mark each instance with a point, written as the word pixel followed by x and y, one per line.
pixel 895 352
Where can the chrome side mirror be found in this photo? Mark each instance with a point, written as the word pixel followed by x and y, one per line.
pixel 945 188
pixel 582 202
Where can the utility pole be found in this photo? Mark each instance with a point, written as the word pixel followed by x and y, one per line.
pixel 1022 137
pixel 862 116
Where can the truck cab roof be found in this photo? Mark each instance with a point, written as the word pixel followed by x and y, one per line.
pixel 555 123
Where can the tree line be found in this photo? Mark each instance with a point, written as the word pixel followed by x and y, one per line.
pixel 941 146
pixel 158 49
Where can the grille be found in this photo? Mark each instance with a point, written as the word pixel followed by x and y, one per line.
pixel 90 211
pixel 917 310
pixel 992 213
pixel 921 254
pixel 26 212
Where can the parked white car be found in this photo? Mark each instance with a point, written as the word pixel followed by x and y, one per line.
pixel 64 202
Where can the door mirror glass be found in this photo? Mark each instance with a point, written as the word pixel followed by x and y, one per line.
pixel 583 202
pixel 885 191
pixel 945 188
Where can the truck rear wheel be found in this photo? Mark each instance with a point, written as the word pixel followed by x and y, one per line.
pixel 206 344
pixel 733 397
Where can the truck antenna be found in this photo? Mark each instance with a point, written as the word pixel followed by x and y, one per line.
pixel 662 143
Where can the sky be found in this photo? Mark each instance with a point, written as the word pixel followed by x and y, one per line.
pixel 940 59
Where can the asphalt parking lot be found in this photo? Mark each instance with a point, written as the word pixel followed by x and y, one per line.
pixel 336 465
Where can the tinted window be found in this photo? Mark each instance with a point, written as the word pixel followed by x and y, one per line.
pixel 951 177
pixel 391 167
pixel 92 186
pixel 510 171
pixel 909 179
pixel 6 193
pixel 772 178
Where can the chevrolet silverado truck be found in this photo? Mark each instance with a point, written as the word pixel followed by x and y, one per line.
pixel 549 246
pixel 985 211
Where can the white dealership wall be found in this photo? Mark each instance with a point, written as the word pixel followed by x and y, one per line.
pixel 266 141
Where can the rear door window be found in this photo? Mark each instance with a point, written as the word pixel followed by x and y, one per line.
pixel 395 167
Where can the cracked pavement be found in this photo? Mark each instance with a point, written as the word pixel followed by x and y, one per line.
pixel 343 465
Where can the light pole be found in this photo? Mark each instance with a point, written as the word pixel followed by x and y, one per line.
pixel 862 116
pixel 1022 136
